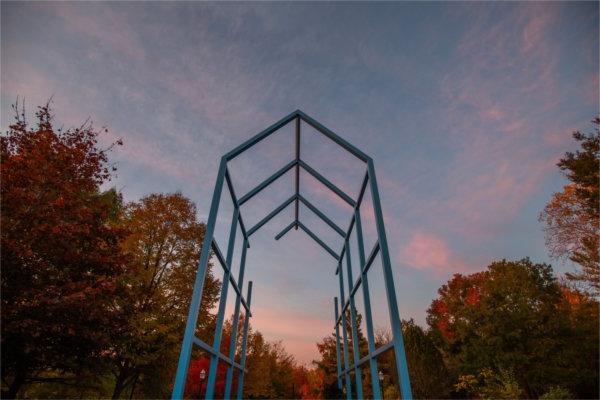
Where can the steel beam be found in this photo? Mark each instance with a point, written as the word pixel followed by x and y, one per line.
pixel 285 230
pixel 232 280
pixel 260 136
pixel 337 343
pixel 327 183
pixel 268 181
pixel 380 350
pixel 321 215
pixel 271 215
pixel 367 302
pixel 353 322
pixel 380 247
pixel 345 336
pixel 297 169
pixel 234 325
pixel 236 204
pixel 214 361
pixel 331 135
pixel 319 241
pixel 190 326
pixel 240 387
pixel 388 277
pixel 356 208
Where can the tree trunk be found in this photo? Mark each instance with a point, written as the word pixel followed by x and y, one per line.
pixel 133 386
pixel 119 384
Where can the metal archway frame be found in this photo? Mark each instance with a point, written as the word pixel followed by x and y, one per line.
pixel 340 308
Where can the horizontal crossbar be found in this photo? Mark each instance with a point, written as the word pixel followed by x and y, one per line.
pixel 200 343
pixel 375 354
pixel 227 269
pixel 271 215
pixel 358 281
pixel 327 183
pixel 267 182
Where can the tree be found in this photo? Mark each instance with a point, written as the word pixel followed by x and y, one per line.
pixel 429 377
pixel 328 365
pixel 571 218
pixel 162 249
pixel 60 250
pixel 271 370
pixel 515 319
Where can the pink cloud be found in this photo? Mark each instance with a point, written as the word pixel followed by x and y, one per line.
pixel 428 251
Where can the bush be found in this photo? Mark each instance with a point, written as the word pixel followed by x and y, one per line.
pixel 556 393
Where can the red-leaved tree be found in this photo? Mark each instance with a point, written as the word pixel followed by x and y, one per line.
pixel 60 254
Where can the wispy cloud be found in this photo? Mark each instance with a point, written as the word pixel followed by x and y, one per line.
pixel 464 108
pixel 428 251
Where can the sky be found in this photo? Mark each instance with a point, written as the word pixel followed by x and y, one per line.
pixel 464 107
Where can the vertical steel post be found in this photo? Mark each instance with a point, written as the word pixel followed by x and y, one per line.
pixel 337 343
pixel 234 325
pixel 388 276
pixel 367 302
pixel 297 169
pixel 214 360
pixel 355 338
pixel 345 334
pixel 190 327
pixel 240 388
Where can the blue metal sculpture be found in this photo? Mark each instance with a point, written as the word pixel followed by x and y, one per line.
pixel 344 372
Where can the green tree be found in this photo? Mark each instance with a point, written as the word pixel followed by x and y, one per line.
pixel 516 317
pixel 162 249
pixel 429 377
pixel 60 252
pixel 571 218
pixel 490 385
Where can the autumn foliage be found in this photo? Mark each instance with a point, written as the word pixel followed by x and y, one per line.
pixel 95 294
pixel 60 249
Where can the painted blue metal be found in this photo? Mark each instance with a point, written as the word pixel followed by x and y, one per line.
pixel 223 263
pixel 234 325
pixel 355 344
pixel 296 210
pixel 345 336
pixel 337 344
pixel 285 230
pixel 327 183
pixel 319 241
pixel 346 145
pixel 214 361
pixel 350 370
pixel 323 217
pixel 260 136
pixel 271 215
pixel 240 387
pixel 188 336
pixel 267 182
pixel 367 304
pixel 236 204
pixel 401 364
